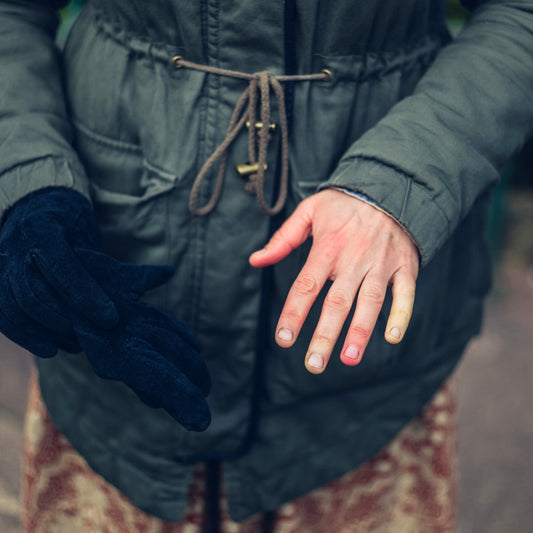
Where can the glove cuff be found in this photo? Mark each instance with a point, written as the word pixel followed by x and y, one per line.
pixel 69 207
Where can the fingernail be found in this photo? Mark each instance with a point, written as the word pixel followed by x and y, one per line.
pixel 315 361
pixel 395 332
pixel 352 352
pixel 285 334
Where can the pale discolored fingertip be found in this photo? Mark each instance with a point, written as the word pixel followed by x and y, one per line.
pixel 393 335
pixel 397 324
pixel 315 363
pixel 403 299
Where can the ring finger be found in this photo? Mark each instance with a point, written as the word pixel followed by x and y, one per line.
pixel 369 302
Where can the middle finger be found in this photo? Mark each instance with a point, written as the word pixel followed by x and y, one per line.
pixel 336 308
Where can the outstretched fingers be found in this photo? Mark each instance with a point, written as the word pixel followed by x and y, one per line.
pixel 363 251
pixel 369 303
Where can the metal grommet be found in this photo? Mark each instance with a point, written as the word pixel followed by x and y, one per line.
pixel 176 61
pixel 327 73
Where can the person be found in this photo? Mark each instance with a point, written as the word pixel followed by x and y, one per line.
pixel 205 205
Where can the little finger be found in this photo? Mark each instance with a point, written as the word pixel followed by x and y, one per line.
pixel 403 299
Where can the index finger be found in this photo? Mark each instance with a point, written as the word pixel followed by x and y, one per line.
pixel 302 294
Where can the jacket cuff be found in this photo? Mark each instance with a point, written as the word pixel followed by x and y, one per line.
pixel 398 195
pixel 23 179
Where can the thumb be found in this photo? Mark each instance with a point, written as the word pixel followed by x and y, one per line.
pixel 293 232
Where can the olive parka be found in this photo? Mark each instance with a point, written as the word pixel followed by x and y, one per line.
pixel 418 123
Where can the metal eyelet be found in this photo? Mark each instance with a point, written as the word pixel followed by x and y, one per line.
pixel 176 61
pixel 328 75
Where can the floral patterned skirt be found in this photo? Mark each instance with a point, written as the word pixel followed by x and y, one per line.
pixel 409 487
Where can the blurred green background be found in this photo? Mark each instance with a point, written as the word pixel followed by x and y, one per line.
pixel 456 16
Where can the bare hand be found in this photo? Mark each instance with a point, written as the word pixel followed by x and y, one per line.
pixel 359 248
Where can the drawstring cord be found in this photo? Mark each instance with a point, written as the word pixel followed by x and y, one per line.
pixel 260 86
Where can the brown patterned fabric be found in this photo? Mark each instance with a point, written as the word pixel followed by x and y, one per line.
pixel 409 487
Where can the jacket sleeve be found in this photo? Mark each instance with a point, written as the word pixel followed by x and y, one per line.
pixel 438 150
pixel 35 148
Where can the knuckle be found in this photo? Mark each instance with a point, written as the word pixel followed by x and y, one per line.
pixel 373 292
pixel 402 315
pixel 407 292
pixel 277 239
pixel 291 315
pixel 323 339
pixel 279 235
pixel 360 331
pixel 329 249
pixel 305 285
pixel 338 300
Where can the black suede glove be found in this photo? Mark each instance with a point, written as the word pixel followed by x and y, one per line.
pixel 58 291
pixel 43 284
pixel 150 351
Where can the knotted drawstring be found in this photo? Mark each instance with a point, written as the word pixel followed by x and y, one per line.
pixel 244 113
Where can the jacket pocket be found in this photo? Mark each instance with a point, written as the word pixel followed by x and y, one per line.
pixel 130 197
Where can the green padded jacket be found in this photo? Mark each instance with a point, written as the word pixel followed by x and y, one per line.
pixel 418 123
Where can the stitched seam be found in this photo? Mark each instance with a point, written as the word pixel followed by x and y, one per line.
pixel 163 173
pixel 106 141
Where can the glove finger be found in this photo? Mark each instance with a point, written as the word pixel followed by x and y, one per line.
pixel 76 287
pixel 159 383
pixel 33 293
pixel 123 278
pixel 155 380
pixel 149 315
pixel 20 336
pixel 171 346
